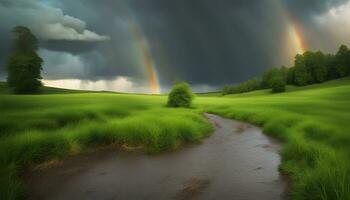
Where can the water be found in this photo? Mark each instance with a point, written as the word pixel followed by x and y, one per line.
pixel 236 162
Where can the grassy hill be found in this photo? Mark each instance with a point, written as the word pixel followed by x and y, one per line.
pixel 312 122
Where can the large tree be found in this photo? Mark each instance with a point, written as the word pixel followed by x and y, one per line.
pixel 24 64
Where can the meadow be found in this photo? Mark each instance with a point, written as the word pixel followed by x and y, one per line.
pixel 38 128
pixel 312 122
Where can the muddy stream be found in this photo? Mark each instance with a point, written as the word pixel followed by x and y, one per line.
pixel 236 162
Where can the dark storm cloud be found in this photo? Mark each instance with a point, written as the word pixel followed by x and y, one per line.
pixel 200 41
pixel 196 41
pixel 209 43
pixel 307 8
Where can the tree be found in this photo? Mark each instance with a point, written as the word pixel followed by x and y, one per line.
pixel 301 73
pixel 24 64
pixel 269 75
pixel 315 65
pixel 180 96
pixel 227 90
pixel 278 84
pixel 247 86
pixel 343 61
pixel 331 63
pixel 291 76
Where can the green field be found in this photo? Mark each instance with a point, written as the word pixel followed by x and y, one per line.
pixel 36 128
pixel 312 122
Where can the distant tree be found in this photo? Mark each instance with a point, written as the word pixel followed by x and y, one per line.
pixel 24 64
pixel 343 61
pixel 278 84
pixel 341 71
pixel 320 74
pixel 316 66
pixel 227 90
pixel 180 96
pixel 331 64
pixel 252 84
pixel 269 75
pixel 309 67
pixel 284 73
pixel 247 86
pixel 302 74
pixel 291 76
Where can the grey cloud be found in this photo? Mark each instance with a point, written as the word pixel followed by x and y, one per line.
pixel 47 22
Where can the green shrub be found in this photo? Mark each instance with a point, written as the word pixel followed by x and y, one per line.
pixel 278 85
pixel 270 74
pixel 180 96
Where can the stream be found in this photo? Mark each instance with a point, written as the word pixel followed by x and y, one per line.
pixel 236 162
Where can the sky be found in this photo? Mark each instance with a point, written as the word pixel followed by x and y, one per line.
pixel 147 45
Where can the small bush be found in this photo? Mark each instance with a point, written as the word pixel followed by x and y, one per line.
pixel 180 96
pixel 278 85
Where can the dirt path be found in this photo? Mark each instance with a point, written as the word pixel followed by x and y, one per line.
pixel 236 162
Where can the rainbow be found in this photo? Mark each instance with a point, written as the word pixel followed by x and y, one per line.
pixel 145 55
pixel 296 38
pixel 295 41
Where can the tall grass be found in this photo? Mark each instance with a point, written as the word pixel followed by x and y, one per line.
pixel 312 122
pixel 35 129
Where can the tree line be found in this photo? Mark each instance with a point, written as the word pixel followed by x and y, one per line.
pixel 309 68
